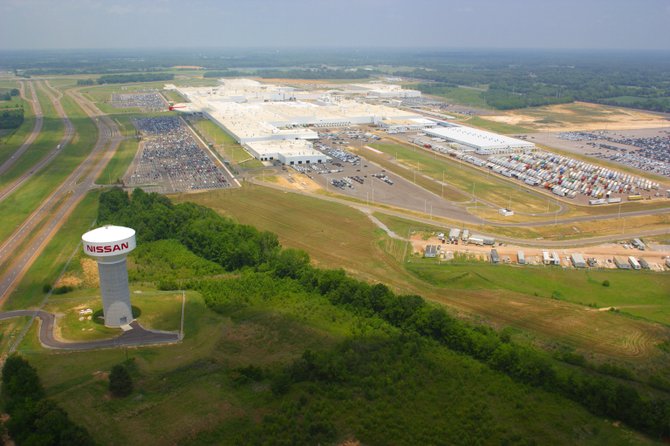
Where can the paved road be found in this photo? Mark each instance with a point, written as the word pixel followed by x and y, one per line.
pixel 37 128
pixel 41 226
pixel 138 336
pixel 44 161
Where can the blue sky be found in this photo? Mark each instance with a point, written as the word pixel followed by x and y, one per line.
pixel 584 24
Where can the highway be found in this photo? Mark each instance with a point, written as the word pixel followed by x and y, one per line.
pixel 37 128
pixel 55 209
pixel 137 336
pixel 67 136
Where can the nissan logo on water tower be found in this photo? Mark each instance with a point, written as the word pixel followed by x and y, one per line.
pixel 109 245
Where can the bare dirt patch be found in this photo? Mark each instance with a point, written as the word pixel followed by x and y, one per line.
pixel 297 182
pixel 580 116
pixel 90 269
pixel 68 280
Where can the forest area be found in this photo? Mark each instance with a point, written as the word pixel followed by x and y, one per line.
pixel 263 271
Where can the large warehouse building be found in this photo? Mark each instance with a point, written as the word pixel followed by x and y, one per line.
pixel 290 152
pixel 253 112
pixel 483 142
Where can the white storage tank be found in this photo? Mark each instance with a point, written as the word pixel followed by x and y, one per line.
pixel 109 246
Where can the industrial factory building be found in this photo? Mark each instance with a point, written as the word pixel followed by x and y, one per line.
pixel 253 112
pixel 483 142
pixel 289 152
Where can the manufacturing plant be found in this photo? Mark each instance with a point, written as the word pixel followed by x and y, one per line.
pixel 253 112
pixel 479 141
pixel 109 246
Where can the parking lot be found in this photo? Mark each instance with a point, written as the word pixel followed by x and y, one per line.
pixel 149 100
pixel 354 176
pixel 644 149
pixel 171 160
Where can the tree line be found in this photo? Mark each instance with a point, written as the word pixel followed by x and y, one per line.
pixel 11 118
pixel 267 269
pixel 137 77
pixel 6 95
pixel 34 419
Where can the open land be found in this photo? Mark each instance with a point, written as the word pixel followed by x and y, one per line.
pixel 580 116
pixel 559 309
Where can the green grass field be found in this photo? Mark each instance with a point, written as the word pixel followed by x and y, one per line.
pixel 49 137
pixel 497 127
pixel 173 96
pixel 200 372
pixel 12 139
pixel 49 265
pixel 326 231
pixel 19 205
pixel 224 144
pixel 118 165
pixel 486 187
pixel 471 97
pixel 193 388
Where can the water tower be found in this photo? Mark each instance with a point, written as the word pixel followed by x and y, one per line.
pixel 109 245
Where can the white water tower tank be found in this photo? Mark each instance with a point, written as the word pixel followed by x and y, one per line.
pixel 109 246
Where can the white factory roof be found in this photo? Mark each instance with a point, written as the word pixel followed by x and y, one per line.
pixel 108 234
pixel 235 105
pixel 286 147
pixel 477 138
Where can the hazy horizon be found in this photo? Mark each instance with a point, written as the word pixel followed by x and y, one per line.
pixel 365 24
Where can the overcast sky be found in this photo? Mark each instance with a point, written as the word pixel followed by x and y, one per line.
pixel 611 24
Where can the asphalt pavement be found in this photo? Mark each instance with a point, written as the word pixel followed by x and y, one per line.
pixel 137 336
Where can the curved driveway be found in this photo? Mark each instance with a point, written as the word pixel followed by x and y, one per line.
pixel 138 336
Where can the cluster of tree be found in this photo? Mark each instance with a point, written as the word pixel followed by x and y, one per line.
pixel 201 230
pixel 534 83
pixel 225 73
pixel 138 77
pixel 84 82
pixel 169 264
pixel 6 95
pixel 312 73
pixel 316 73
pixel 11 118
pixel 33 419
pixel 270 270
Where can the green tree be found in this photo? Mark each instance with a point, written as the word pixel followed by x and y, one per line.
pixel 120 381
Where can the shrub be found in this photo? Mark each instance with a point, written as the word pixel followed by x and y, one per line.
pixel 120 382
